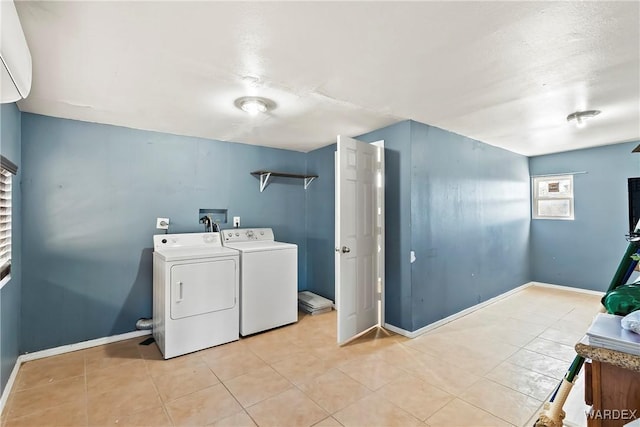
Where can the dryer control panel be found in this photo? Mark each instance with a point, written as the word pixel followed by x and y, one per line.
pixel 247 234
pixel 186 240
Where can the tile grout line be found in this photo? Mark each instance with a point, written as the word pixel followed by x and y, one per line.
pixel 511 388
pixel 36 411
pixel 228 391
pixel 525 394
pixel 370 351
pixel 155 386
pixel 311 398
pixel 484 410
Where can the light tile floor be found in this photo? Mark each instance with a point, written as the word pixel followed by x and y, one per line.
pixel 493 367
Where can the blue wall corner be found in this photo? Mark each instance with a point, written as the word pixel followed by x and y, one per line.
pixel 321 221
pixel 10 294
pixel 585 252
pixel 320 226
pixel 461 205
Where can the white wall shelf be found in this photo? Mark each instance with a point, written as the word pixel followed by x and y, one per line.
pixel 266 175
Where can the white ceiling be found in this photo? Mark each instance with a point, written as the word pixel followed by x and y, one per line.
pixel 505 73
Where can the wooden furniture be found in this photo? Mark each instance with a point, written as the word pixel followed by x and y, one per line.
pixel 612 386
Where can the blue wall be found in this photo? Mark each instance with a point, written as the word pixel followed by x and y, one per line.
pixel 91 195
pixel 321 222
pixel 585 253
pixel 11 292
pixel 470 214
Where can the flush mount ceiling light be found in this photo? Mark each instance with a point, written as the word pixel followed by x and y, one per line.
pixel 581 116
pixel 254 105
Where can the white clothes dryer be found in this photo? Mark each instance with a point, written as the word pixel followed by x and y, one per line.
pixel 195 292
pixel 268 279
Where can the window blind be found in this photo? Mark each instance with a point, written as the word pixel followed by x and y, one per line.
pixel 8 165
pixel 5 223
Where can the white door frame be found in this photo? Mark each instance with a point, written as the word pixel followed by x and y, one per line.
pixel 381 234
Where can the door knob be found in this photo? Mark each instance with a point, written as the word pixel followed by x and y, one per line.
pixel 345 250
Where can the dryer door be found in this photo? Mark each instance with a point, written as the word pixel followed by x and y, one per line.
pixel 203 287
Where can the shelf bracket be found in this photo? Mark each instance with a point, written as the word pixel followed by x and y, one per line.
pixel 266 175
pixel 308 181
pixel 264 180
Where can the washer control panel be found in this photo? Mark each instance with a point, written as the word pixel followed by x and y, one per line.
pixel 247 234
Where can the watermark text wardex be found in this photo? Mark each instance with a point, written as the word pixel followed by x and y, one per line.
pixel 612 414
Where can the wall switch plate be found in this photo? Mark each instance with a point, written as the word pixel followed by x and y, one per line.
pixel 162 223
pixel 236 221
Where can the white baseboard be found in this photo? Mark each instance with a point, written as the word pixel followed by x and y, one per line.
pixel 82 345
pixel 61 350
pixel 466 311
pixel 567 288
pixel 9 386
pixel 431 326
pixel 397 330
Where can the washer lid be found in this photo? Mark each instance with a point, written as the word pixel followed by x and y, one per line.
pixel 260 246
pixel 179 254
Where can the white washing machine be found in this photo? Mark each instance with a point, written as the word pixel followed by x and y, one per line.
pixel 268 279
pixel 195 292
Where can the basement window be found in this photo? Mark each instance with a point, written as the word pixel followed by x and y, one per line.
pixel 7 170
pixel 552 197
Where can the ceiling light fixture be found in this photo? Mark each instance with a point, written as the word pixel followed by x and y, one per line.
pixel 254 105
pixel 580 117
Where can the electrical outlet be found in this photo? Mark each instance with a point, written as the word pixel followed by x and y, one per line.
pixel 162 223
pixel 236 221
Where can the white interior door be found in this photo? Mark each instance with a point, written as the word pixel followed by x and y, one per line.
pixel 359 257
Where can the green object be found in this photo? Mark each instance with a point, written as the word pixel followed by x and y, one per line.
pixel 623 272
pixel 623 299
pixel 626 266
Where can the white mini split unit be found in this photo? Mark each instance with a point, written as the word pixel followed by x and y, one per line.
pixel 15 67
